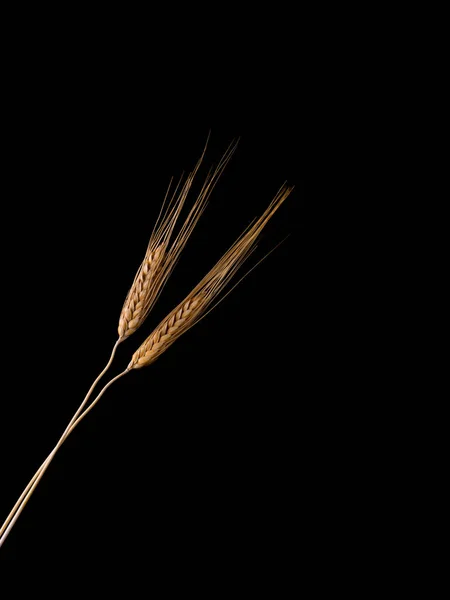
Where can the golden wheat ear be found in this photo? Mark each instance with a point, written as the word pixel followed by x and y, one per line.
pixel 208 293
pixel 164 248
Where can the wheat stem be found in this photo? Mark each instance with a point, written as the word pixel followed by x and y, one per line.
pixel 46 464
pixel 23 499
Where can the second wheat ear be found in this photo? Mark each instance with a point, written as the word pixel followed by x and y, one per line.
pixel 202 299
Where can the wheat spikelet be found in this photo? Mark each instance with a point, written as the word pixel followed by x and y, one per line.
pixel 163 250
pixel 139 297
pixel 171 328
pixel 199 302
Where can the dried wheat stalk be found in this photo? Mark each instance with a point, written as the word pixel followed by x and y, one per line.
pixel 162 254
pixel 203 298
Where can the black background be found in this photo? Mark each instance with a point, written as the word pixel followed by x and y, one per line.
pixel 228 448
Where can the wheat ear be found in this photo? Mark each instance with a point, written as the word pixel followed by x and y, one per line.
pixel 206 295
pixel 162 254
